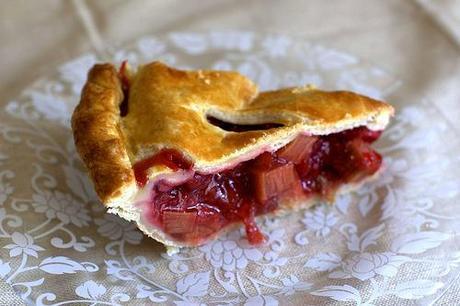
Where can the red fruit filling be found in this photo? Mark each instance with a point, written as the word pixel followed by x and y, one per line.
pixel 168 157
pixel 194 210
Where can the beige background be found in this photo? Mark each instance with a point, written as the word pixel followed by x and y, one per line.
pixel 417 40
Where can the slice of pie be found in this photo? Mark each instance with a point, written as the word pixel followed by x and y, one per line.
pixel 190 154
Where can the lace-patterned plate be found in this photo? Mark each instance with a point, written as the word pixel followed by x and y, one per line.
pixel 393 241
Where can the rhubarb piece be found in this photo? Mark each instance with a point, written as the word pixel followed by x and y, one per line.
pixel 269 184
pixel 295 192
pixel 267 161
pixel 299 149
pixel 209 223
pixel 179 222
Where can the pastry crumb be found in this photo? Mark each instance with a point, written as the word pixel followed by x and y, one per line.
pixel 303 88
pixel 171 250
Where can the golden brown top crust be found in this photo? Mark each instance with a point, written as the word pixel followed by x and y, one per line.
pixel 168 108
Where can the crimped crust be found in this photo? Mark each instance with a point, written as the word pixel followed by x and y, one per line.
pixel 96 129
pixel 169 108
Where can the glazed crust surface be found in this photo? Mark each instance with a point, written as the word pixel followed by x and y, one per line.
pixel 169 108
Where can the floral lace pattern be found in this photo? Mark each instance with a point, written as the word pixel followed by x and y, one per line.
pixel 393 240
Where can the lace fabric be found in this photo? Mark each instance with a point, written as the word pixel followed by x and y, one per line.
pixel 394 241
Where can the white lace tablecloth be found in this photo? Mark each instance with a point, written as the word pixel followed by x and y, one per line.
pixel 394 241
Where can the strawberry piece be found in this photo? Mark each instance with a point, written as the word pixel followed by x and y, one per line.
pixel 299 149
pixel 179 222
pixel 364 158
pixel 271 183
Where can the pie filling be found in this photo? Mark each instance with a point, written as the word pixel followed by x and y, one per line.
pixel 199 206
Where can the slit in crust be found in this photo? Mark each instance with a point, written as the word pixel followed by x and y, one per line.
pixel 233 127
